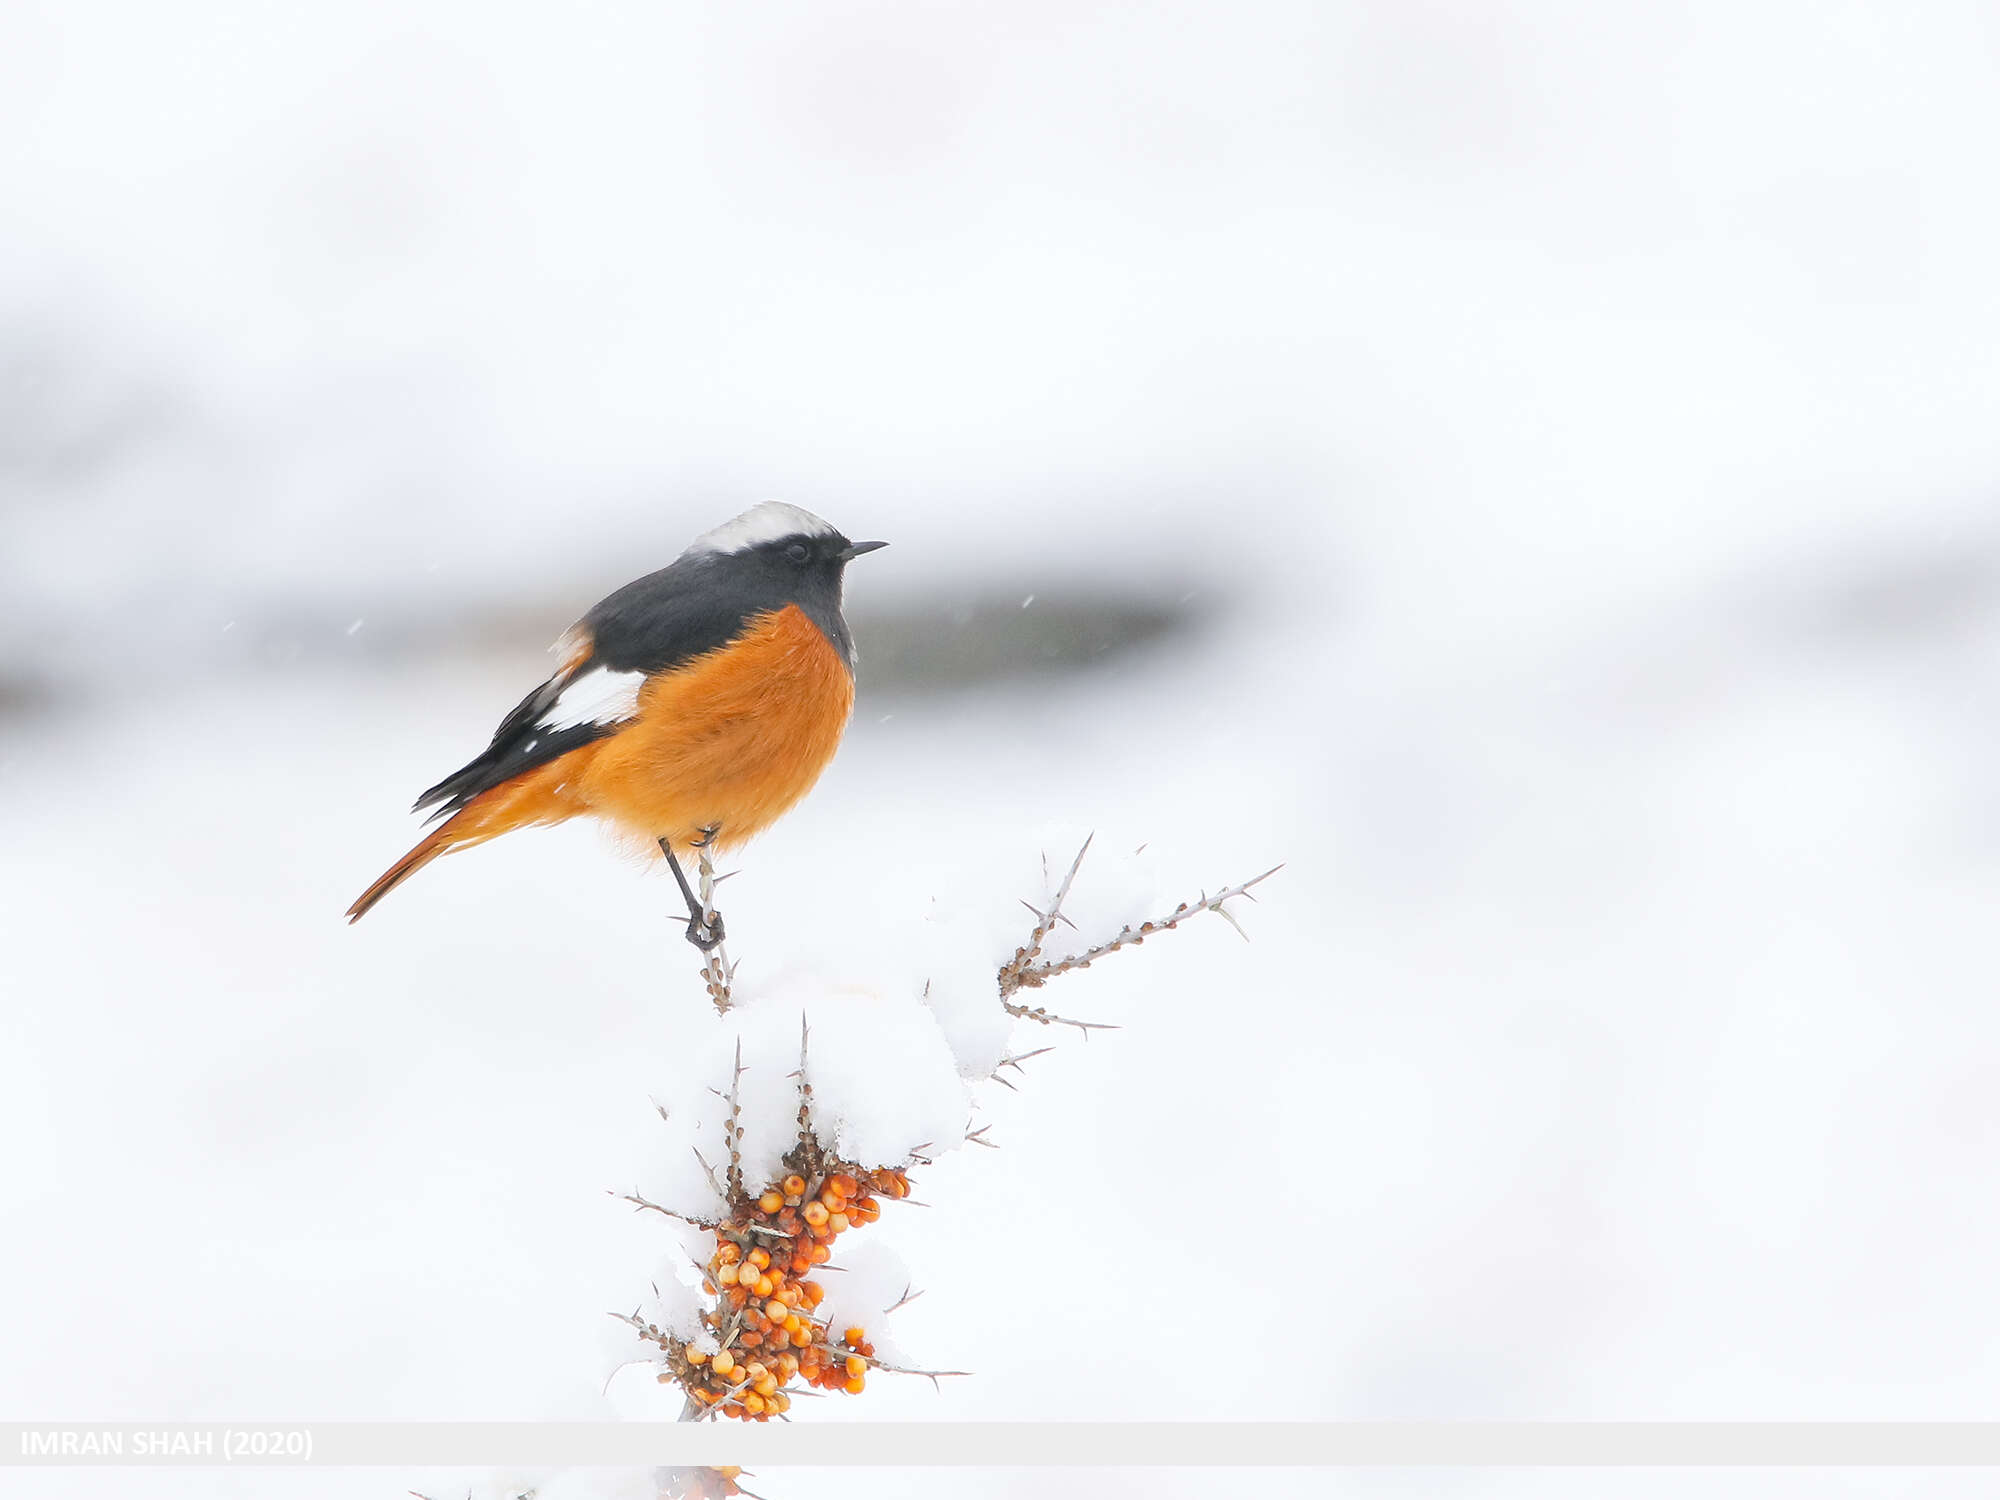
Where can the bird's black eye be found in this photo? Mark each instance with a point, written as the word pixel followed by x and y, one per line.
pixel 798 552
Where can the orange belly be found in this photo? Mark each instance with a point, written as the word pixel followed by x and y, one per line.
pixel 729 741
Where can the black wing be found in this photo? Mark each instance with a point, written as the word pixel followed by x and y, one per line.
pixel 653 624
pixel 521 743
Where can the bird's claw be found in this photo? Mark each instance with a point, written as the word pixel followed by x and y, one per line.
pixel 705 935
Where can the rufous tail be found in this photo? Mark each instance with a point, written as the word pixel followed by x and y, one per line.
pixel 441 841
pixel 543 795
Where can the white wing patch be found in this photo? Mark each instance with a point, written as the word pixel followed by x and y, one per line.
pixel 772 521
pixel 599 696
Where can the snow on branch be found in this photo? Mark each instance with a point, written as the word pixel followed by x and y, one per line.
pixel 814 1104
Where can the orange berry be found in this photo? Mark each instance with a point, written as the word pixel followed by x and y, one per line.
pixel 821 1255
pixel 727 1275
pixel 695 1356
pixel 854 1384
pixel 812 1291
pixel 749 1340
pixel 776 1311
pixel 771 1202
pixel 728 1251
pixel 817 1213
pixel 752 1402
pixel 855 1335
pixel 834 1199
pixel 856 1365
pixel 795 1325
pixel 795 1185
pixel 724 1362
pixel 837 1223
pixel 760 1257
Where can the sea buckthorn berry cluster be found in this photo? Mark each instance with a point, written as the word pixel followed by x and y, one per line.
pixel 765 1318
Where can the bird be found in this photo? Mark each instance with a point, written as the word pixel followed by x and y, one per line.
pixel 693 707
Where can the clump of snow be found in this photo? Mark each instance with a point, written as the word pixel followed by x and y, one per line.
pixel 676 1305
pixel 892 1051
pixel 953 952
pixel 872 1279
pixel 894 1045
pixel 885 1084
pixel 942 934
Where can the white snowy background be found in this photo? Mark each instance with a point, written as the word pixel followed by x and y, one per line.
pixel 1555 446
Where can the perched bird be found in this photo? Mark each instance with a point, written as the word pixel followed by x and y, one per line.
pixel 692 707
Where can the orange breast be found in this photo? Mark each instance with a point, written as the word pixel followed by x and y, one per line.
pixel 730 740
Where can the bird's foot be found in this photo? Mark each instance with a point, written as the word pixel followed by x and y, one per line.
pixel 705 934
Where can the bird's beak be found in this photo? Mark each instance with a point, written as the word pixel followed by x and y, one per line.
pixel 855 549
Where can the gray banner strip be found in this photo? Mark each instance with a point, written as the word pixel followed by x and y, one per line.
pixel 1003 1445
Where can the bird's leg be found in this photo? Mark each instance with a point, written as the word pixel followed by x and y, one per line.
pixel 704 928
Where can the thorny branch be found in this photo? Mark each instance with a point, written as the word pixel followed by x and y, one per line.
pixel 1027 969
pixel 775 1228
pixel 733 1130
pixel 1045 923
pixel 641 1203
pixel 806 1131
pixel 717 972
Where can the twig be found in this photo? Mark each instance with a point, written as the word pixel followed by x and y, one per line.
pixel 639 1202
pixel 717 972
pixel 1050 1018
pixel 807 1139
pixel 1015 1060
pixel 720 1191
pixel 734 1129
pixel 934 1376
pixel 1045 922
pixel 1032 975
